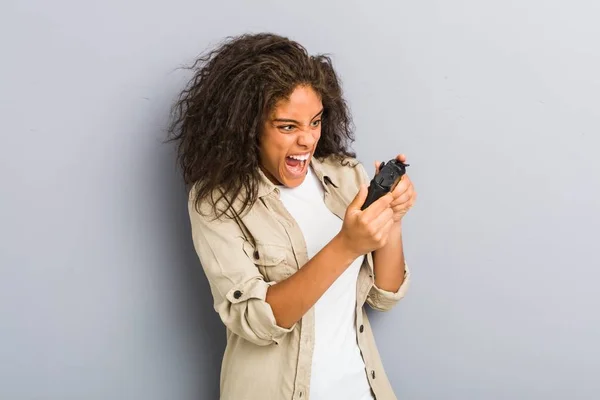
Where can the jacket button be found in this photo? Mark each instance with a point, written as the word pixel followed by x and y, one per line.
pixel 237 294
pixel 373 374
pixel 362 328
pixel 256 255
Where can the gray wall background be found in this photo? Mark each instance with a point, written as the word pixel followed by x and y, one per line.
pixel 495 103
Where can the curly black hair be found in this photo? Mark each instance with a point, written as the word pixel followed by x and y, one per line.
pixel 217 119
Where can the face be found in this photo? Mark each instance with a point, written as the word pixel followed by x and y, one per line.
pixel 289 137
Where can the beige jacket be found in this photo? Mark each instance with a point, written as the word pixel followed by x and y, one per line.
pixel 263 361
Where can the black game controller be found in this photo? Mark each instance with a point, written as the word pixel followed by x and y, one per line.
pixel 385 181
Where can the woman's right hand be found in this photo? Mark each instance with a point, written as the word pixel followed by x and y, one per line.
pixel 368 230
pixel 362 232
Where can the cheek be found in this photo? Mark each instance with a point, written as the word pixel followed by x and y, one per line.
pixel 317 134
pixel 275 145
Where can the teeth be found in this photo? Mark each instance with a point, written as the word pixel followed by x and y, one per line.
pixel 301 157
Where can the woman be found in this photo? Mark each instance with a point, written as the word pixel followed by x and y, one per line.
pixel 275 207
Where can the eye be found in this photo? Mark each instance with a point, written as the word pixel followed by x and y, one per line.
pixel 286 128
pixel 315 123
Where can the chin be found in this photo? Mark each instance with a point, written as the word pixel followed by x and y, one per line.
pixel 293 178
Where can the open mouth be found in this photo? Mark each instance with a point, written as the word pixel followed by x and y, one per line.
pixel 296 163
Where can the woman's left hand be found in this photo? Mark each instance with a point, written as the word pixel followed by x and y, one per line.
pixel 404 193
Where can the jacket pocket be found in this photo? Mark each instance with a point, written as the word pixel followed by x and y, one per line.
pixel 271 260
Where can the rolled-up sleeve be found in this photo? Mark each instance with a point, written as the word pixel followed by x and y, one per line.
pixel 238 289
pixel 383 300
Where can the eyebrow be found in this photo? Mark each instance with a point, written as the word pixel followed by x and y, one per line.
pixel 296 122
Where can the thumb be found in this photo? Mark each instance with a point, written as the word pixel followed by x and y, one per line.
pixel 360 198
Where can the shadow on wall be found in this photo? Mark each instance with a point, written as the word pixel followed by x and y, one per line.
pixel 202 329
pixel 198 326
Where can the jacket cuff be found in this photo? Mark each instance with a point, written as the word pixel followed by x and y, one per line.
pixel 259 321
pixel 384 300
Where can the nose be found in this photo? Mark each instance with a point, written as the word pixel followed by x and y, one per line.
pixel 307 138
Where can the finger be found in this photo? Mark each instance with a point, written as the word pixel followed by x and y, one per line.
pixel 403 198
pixel 385 216
pixel 406 200
pixel 377 163
pixel 401 158
pixel 401 210
pixel 402 187
pixel 379 222
pixel 359 199
pixel 413 199
pixel 378 206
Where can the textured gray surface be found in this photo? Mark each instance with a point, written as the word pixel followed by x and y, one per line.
pixel 495 103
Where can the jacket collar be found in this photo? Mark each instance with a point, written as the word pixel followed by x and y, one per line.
pixel 321 169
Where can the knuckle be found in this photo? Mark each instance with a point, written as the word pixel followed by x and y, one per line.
pixel 372 232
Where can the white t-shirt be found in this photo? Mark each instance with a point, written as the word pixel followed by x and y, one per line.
pixel 338 370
